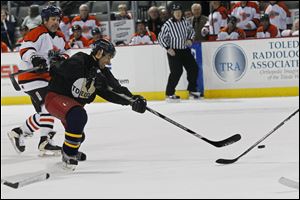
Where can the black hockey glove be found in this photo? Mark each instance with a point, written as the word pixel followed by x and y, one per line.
pixel 39 62
pixel 139 104
pixel 55 57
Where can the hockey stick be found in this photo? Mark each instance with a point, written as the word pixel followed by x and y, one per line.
pixel 26 181
pixel 289 183
pixel 221 143
pixel 13 80
pixel 229 161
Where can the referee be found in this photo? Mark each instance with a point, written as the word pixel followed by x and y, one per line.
pixel 176 36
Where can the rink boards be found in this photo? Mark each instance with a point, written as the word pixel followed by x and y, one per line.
pixel 232 69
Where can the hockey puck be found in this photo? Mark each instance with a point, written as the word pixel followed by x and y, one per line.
pixel 261 146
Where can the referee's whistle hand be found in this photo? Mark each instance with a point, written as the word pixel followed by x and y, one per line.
pixel 171 52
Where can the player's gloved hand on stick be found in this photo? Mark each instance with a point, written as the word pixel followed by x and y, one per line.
pixel 139 104
pixel 39 62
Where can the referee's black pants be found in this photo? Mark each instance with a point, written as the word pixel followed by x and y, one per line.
pixel 183 58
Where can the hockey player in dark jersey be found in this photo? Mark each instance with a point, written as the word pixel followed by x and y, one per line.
pixel 76 82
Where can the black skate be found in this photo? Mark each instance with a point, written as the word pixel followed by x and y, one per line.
pixel 69 162
pixel 17 139
pixel 173 99
pixel 195 96
pixel 81 156
pixel 47 148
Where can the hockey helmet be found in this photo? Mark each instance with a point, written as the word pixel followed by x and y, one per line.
pixel 95 31
pixel 105 45
pixel 76 27
pixel 51 11
pixel 265 17
pixel 176 6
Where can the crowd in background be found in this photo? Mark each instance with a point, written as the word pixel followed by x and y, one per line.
pixel 213 20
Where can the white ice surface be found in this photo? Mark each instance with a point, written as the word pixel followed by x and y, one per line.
pixel 142 156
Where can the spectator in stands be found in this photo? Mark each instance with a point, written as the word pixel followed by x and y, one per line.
pixel 123 13
pixel 248 15
pixel 163 14
pixel 65 26
pixel 7 30
pixel 154 22
pixel 97 36
pixel 34 18
pixel 293 32
pixel 267 30
pixel 280 15
pixel 142 36
pixel 23 31
pixel 198 22
pixel 217 20
pixel 4 48
pixel 188 16
pixel 231 31
pixel 77 41
pixel 85 21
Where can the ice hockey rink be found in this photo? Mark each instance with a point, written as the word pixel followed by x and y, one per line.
pixel 143 156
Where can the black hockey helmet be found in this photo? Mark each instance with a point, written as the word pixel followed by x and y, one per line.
pixel 265 17
pixel 105 45
pixel 95 31
pixel 76 27
pixel 140 21
pixel 232 19
pixel 51 11
pixel 176 6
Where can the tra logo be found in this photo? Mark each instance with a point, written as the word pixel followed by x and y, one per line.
pixel 230 63
pixel 79 89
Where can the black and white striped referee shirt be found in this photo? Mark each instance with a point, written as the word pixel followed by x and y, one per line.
pixel 174 34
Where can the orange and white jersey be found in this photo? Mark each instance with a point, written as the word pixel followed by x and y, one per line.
pixel 86 25
pixel 39 42
pixel 217 20
pixel 237 34
pixel 139 39
pixel 246 15
pixel 271 32
pixel 79 43
pixel 279 15
pixel 65 27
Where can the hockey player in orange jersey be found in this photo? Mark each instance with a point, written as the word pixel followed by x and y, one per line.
pixel 34 52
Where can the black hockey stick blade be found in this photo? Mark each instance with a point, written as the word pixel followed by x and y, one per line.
pixel 27 181
pixel 226 161
pixel 225 142
pixel 12 185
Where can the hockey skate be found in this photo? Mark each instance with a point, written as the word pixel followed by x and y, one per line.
pixel 195 96
pixel 81 156
pixel 17 138
pixel 69 162
pixel 46 146
pixel 173 99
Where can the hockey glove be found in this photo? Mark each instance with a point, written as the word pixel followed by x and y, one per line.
pixel 139 104
pixel 39 62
